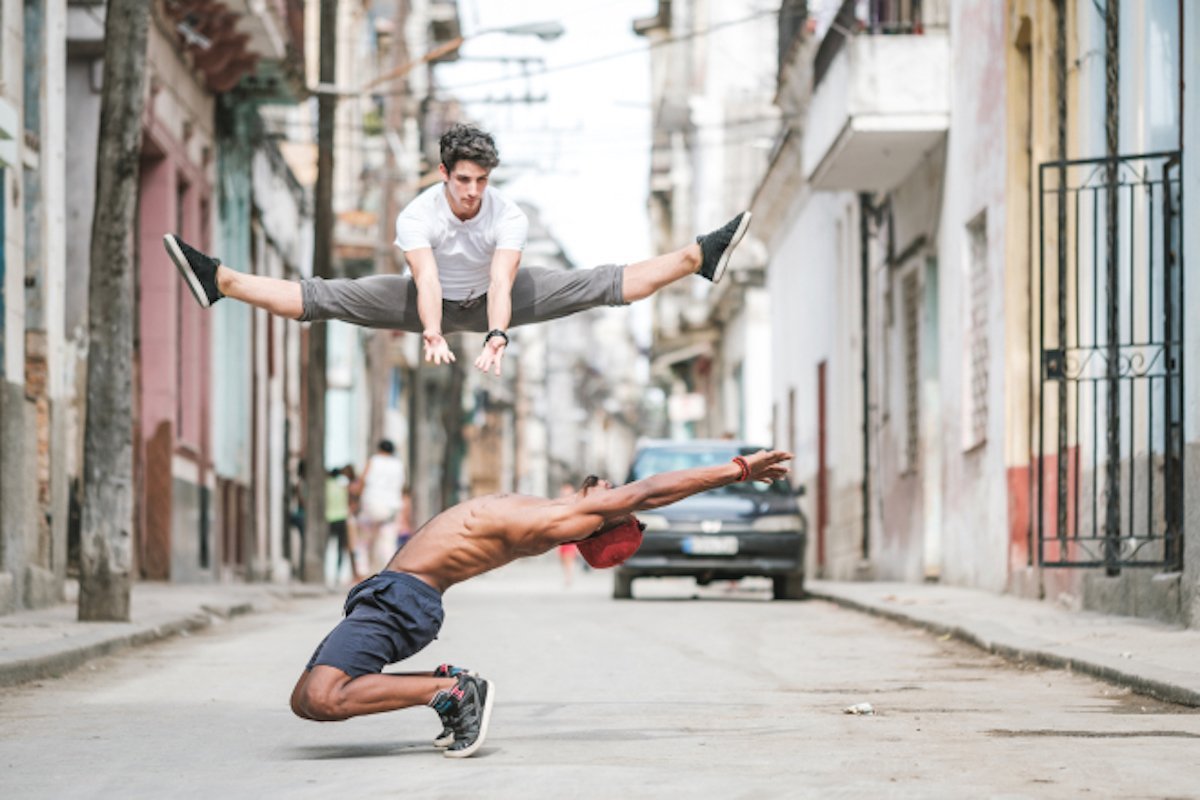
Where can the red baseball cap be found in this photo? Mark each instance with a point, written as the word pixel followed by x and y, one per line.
pixel 614 546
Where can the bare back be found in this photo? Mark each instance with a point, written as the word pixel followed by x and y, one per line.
pixel 479 535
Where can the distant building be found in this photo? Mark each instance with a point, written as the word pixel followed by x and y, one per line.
pixel 713 120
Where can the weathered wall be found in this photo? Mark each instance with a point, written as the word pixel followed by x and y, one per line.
pixel 33 459
pixel 1190 590
pixel 174 332
pixel 975 508
pixel 908 487
pixel 812 280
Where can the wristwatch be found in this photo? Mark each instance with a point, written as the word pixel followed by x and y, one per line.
pixel 495 332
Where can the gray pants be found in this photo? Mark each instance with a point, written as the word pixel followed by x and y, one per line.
pixel 390 301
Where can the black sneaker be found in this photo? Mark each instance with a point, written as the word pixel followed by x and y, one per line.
pixel 716 247
pixel 473 699
pixel 197 269
pixel 446 737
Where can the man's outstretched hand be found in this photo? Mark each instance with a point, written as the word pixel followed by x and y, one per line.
pixel 767 465
pixel 492 355
pixel 437 351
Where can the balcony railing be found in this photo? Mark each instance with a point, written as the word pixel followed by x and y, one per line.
pixel 880 18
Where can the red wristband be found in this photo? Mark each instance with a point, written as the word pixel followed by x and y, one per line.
pixel 741 462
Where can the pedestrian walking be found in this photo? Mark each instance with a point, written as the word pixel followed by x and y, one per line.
pixel 337 516
pixel 382 499
pixel 393 615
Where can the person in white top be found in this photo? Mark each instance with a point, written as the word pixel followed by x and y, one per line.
pixel 462 241
pixel 382 498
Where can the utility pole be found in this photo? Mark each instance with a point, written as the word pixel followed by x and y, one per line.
pixel 106 546
pixel 316 531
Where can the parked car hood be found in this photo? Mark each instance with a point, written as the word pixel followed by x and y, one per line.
pixel 727 506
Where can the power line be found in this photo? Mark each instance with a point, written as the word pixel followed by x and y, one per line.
pixel 610 56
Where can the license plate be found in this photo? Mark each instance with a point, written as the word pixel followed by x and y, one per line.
pixel 710 545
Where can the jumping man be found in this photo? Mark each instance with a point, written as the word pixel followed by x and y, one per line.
pixel 396 613
pixel 462 241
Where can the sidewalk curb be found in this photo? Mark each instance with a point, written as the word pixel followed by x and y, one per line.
pixel 32 666
pixel 55 659
pixel 1161 688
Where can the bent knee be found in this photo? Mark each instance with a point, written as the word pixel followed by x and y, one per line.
pixel 298 708
pixel 319 705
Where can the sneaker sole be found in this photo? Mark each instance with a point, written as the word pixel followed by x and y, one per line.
pixel 185 269
pixel 483 725
pixel 723 261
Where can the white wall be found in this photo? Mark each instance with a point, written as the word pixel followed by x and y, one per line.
pixel 1191 325
pixel 813 285
pixel 975 516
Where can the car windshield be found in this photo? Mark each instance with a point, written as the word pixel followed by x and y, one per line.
pixel 652 461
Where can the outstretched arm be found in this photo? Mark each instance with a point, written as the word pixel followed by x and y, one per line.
pixel 429 303
pixel 600 508
pixel 505 264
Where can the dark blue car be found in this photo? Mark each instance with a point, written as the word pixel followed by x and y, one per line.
pixel 729 533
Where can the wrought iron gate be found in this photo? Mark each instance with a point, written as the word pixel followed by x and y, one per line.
pixel 1107 317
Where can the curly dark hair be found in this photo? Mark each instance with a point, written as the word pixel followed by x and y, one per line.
pixel 468 143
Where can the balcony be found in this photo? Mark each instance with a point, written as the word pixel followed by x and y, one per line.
pixel 254 45
pixel 881 103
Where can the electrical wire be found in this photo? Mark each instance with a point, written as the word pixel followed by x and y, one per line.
pixel 587 62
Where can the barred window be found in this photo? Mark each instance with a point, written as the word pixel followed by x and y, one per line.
pixel 977 333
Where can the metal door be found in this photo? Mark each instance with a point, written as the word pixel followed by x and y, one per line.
pixel 1107 316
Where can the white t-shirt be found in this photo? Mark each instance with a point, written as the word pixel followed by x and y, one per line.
pixel 382 487
pixel 463 250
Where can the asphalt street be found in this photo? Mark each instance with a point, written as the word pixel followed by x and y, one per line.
pixel 679 693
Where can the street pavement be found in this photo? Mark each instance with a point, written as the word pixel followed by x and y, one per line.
pixel 718 692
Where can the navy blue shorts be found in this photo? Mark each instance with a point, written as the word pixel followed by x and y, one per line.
pixel 389 617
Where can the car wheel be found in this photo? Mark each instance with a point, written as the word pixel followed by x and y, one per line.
pixel 788 587
pixel 622 586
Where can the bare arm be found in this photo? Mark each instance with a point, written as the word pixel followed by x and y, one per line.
pixel 429 303
pixel 600 508
pixel 505 264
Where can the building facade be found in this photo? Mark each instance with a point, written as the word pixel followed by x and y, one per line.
pixel 981 281
pixel 35 369
pixel 713 121
pixel 208 469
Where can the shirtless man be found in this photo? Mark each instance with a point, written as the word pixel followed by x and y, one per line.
pixel 396 613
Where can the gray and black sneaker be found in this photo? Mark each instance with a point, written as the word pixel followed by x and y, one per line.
pixel 446 737
pixel 718 246
pixel 473 698
pixel 198 270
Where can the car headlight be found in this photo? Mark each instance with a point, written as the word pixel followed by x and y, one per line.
pixel 777 523
pixel 654 522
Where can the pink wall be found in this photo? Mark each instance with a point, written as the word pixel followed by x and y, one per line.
pixel 174 346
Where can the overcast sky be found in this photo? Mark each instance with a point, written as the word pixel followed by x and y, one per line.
pixel 582 156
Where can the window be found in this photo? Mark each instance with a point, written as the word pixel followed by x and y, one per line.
pixel 34 12
pixel 976 372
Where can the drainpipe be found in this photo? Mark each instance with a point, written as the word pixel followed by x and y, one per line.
pixel 1112 107
pixel 865 210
